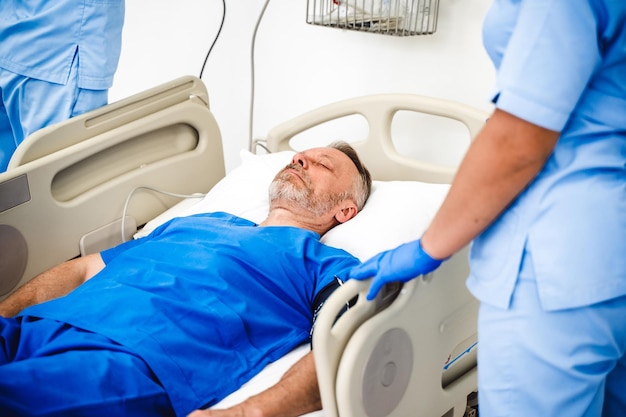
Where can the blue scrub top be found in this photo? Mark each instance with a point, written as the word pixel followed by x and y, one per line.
pixel 207 300
pixel 40 39
pixel 561 64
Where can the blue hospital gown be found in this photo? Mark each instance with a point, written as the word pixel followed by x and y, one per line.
pixel 207 300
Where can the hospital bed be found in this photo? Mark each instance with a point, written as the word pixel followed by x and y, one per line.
pixel 91 182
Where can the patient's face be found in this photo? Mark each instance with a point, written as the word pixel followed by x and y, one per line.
pixel 317 180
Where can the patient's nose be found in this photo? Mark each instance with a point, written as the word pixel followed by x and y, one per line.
pixel 300 160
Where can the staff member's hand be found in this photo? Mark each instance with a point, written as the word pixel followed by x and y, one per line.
pixel 401 264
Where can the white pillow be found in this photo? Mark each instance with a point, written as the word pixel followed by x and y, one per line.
pixel 396 212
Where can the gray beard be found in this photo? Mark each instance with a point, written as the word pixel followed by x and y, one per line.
pixel 283 189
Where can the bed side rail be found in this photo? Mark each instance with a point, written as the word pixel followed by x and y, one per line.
pixel 398 361
pixel 67 191
pixel 112 116
pixel 333 329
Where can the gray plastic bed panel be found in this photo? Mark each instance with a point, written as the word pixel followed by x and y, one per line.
pixel 72 179
pixel 396 359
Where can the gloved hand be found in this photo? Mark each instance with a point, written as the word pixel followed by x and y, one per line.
pixel 401 264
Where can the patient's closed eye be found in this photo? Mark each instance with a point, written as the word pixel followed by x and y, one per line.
pixel 325 163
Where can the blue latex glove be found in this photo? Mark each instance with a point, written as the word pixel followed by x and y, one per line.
pixel 401 264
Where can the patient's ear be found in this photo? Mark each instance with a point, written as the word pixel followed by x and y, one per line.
pixel 347 210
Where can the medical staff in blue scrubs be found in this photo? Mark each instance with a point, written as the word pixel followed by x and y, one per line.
pixel 542 195
pixel 57 60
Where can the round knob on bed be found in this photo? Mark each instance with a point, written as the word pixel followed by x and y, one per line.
pixel 387 373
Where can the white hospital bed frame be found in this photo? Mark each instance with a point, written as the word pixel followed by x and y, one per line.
pixel 64 192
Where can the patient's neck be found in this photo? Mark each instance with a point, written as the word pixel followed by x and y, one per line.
pixel 285 216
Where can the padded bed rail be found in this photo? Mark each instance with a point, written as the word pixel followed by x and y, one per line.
pixel 65 189
pixel 393 356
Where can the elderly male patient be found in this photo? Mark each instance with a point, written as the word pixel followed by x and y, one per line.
pixel 174 322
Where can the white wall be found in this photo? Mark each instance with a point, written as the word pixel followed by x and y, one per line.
pixel 298 66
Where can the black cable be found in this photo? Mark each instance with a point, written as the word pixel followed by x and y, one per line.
pixel 214 40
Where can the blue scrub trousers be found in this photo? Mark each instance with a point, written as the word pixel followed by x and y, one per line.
pixel 48 368
pixel 533 362
pixel 28 104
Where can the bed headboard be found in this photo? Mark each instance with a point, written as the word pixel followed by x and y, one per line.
pixel 67 184
pixel 377 150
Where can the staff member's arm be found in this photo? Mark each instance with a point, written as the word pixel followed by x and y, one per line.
pixel 503 159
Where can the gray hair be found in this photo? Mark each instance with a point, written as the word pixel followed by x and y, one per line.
pixel 362 188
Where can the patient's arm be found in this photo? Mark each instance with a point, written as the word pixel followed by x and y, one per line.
pixel 53 283
pixel 295 394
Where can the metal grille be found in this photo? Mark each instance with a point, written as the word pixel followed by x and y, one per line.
pixel 388 17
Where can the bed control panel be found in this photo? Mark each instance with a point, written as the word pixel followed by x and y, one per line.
pixel 14 192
